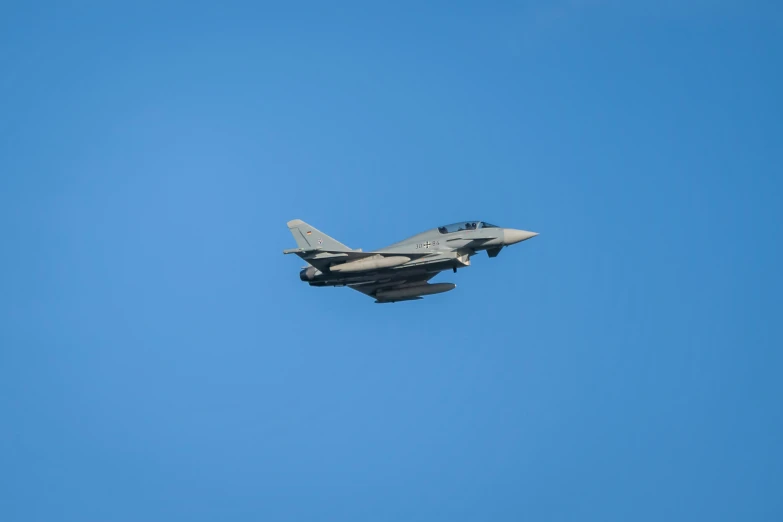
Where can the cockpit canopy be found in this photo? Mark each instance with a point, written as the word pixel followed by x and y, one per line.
pixel 464 225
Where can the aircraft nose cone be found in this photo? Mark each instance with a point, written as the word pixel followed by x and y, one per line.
pixel 511 235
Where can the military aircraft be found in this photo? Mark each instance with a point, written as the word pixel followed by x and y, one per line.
pixel 398 272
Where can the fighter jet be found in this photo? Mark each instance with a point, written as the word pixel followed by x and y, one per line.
pixel 398 272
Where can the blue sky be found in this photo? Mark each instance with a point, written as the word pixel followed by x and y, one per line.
pixel 160 359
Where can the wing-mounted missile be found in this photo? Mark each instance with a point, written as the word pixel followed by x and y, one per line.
pixel 370 263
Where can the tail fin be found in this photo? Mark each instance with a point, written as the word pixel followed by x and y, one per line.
pixel 309 237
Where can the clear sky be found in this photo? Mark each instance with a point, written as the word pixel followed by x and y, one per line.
pixel 160 359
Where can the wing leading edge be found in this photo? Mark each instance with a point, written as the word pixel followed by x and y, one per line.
pixel 324 259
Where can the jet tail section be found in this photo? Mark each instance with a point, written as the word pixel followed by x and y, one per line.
pixel 308 237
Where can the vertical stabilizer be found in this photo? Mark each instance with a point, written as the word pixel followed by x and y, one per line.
pixel 309 237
